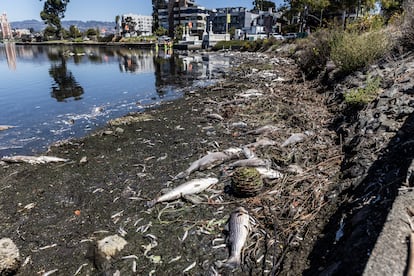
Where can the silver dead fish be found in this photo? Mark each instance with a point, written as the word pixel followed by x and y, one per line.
pixel 268 173
pixel 239 227
pixel 194 186
pixel 33 159
pixel 251 162
pixel 296 138
pixel 264 142
pixel 5 127
pixel 211 160
pixel 264 130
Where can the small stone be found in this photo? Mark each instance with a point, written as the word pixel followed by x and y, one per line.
pixel 108 132
pixel 119 130
pixel 9 257
pixel 83 160
pixel 111 245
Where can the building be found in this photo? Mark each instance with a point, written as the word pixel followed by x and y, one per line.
pixel 185 13
pixel 5 27
pixel 224 19
pixel 133 25
pixel 268 20
pixel 247 24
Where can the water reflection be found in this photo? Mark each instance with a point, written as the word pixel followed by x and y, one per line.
pixel 65 84
pixel 111 80
pixel 136 61
pixel 10 55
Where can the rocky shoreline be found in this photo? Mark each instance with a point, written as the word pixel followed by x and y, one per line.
pixel 338 180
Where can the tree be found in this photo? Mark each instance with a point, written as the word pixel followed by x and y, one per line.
pixel 161 31
pixel 91 32
pixel 178 32
pixel 74 32
pixel 49 32
pixel 52 13
pixel 389 7
pixel 263 5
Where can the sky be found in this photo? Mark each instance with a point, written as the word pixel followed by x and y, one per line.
pixel 101 10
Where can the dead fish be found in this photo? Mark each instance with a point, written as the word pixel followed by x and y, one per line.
pixel 248 153
pixel 211 160
pixel 264 130
pixel 251 162
pixel 194 186
pixel 296 138
pixel 32 159
pixel 239 227
pixel 250 93
pixel 5 127
pixel 239 125
pixel 215 116
pixel 269 174
pixel 265 142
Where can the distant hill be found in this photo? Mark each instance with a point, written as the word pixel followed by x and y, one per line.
pixel 83 26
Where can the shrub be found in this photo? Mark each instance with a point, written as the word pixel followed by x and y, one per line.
pixel 351 50
pixel 408 25
pixel 365 94
pixel 313 52
pixel 366 23
pixel 232 44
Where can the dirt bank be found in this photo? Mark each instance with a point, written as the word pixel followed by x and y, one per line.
pixel 55 213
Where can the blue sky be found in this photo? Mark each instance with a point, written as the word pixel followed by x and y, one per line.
pixel 102 10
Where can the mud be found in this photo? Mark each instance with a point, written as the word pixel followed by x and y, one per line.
pixel 56 213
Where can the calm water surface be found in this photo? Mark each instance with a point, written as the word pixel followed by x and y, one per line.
pixel 52 93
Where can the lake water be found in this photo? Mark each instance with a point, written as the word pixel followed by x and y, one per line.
pixel 51 93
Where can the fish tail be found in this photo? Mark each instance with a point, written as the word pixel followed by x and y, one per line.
pixel 232 262
pixel 151 203
pixel 181 175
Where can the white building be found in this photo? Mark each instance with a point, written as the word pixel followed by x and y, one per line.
pixel 135 25
pixel 5 27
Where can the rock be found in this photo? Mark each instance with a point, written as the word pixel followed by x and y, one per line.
pixel 9 257
pixel 409 180
pixel 111 245
pixel 119 130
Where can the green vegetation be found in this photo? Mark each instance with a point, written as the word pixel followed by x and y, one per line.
pixel 362 43
pixel 351 50
pixel 365 94
pixel 408 25
pixel 232 44
pixel 160 31
pixel 138 39
pixel 246 45
pixel 52 13
pixel 74 32
pixel 313 52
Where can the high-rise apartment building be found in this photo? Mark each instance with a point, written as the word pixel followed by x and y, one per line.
pixel 184 13
pixel 5 27
pixel 135 25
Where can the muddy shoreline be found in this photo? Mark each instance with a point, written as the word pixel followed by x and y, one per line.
pixel 56 213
